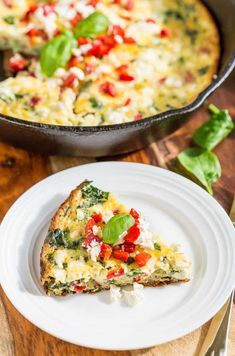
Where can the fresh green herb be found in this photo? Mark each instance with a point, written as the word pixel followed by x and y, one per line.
pixel 214 130
pixel 213 109
pixel 192 34
pixel 50 257
pixel 57 52
pixel 59 238
pixel 9 19
pixel 176 15
pixel 203 70
pixel 116 226
pixel 135 272
pixel 157 246
pixel 96 104
pixel 53 285
pixel 93 25
pixel 130 260
pixel 203 165
pixel 94 195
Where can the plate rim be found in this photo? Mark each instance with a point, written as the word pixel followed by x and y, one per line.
pixel 226 222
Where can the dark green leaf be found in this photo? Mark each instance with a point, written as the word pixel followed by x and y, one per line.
pixel 157 246
pixel 57 52
pixel 116 226
pixel 9 19
pixel 214 130
pixel 94 195
pixel 93 25
pixel 203 70
pixel 202 165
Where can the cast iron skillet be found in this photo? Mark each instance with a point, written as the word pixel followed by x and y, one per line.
pixel 115 139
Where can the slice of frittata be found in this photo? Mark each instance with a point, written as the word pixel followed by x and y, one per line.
pixel 94 242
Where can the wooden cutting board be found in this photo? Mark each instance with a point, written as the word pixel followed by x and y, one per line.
pixel 19 170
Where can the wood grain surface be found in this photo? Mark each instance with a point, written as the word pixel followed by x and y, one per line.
pixel 19 170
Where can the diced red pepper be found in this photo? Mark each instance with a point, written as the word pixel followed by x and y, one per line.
pixel 117 272
pixel 105 252
pixel 127 102
pixel 129 247
pixel 134 213
pixel 17 63
pixel 137 117
pixel 88 240
pixel 129 5
pixel 132 234
pixel 79 289
pixel 117 2
pixel 82 41
pixel 151 21
pixel 116 212
pixel 142 258
pixel 109 89
pixel 122 69
pixel 121 255
pixel 165 33
pixel 117 30
pixel 89 226
pixel 77 18
pixel 35 100
pixel 74 62
pixel 31 10
pixel 97 217
pixel 125 77
pixel 93 2
pixel 129 40
pixel 69 81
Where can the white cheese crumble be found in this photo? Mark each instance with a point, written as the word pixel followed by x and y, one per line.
pixel 60 256
pixel 107 216
pixel 78 72
pixel 80 214
pixel 146 238
pixel 134 296
pixel 94 250
pixel 129 296
pixel 115 293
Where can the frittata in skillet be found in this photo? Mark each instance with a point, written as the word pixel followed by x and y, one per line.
pixel 124 60
pixel 95 242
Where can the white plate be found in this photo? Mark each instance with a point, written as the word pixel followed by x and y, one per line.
pixel 178 210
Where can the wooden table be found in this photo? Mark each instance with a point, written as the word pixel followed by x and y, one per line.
pixel 19 170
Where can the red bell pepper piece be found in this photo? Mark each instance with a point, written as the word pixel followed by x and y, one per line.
pixel 142 258
pixel 109 89
pixel 121 255
pixel 117 272
pixel 106 252
pixel 132 234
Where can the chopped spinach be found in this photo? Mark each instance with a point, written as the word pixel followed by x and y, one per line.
pixel 203 70
pixel 130 260
pixel 173 14
pixel 94 195
pixel 53 285
pixel 59 238
pixel 157 246
pixel 96 104
pixel 135 272
pixel 9 19
pixel 214 130
pixel 192 34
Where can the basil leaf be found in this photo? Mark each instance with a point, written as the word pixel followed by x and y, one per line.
pixel 202 165
pixel 57 52
pixel 214 130
pixel 92 25
pixel 116 226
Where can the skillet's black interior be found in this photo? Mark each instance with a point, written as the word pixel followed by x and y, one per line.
pixel 122 138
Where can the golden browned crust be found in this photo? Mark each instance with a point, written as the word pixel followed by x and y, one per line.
pixel 45 265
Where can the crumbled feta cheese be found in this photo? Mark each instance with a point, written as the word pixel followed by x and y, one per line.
pixel 47 23
pixel 60 73
pixel 94 250
pixel 107 216
pixel 173 82
pixel 60 275
pixel 116 117
pixel 60 256
pixel 115 293
pixel 118 39
pixel 80 214
pixel 65 12
pixel 134 296
pixel 78 72
pixel 84 9
pixel 6 93
pixel 85 48
pixel 146 238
